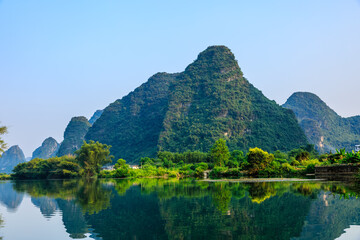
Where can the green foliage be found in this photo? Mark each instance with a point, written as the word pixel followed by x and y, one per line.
pixel 92 156
pixel 219 153
pixel 3 130
pixel 122 170
pixel 146 160
pixel 341 157
pixel 89 194
pixel 132 125
pixel 189 111
pixel 185 157
pixel 218 172
pixel 120 163
pixel 4 176
pixel 200 168
pixel 224 172
pixel 280 155
pixel 57 167
pixel 74 136
pixel 258 160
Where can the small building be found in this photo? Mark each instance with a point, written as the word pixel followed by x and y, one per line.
pixel 357 148
pixel 134 166
pixel 108 167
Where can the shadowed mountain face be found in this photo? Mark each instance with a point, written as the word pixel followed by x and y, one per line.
pixel 74 136
pixel 133 124
pixel 95 116
pixel 191 110
pixel 47 149
pixel 322 125
pixel 10 158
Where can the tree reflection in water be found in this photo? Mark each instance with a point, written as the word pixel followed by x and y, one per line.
pixel 173 209
pixel 1 225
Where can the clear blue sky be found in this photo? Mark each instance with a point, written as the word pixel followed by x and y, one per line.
pixel 65 58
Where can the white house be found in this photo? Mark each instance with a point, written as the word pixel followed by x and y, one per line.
pixel 357 148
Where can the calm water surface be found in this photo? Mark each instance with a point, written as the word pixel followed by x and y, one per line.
pixel 172 209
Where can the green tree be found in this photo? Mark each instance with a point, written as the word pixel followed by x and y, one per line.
pixel 92 156
pixel 122 169
pixel 120 163
pixel 258 160
pixel 303 156
pixel 219 153
pixel 3 130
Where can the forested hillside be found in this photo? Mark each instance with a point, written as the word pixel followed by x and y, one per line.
pixel 191 110
pixel 322 125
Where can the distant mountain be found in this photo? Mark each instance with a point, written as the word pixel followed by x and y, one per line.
pixel 47 149
pixel 10 158
pixel 74 135
pixel 95 116
pixel 191 110
pixel 322 125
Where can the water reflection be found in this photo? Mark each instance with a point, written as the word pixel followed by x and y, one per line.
pixel 47 205
pixel 1 225
pixel 8 197
pixel 172 209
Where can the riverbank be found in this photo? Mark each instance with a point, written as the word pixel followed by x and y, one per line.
pixel 4 176
pixel 256 180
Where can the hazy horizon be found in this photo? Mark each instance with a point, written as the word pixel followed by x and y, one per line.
pixel 61 59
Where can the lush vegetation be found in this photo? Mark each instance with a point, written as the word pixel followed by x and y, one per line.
pixel 191 110
pixel 4 176
pixel 132 125
pixel 74 136
pixel 219 162
pixel 56 167
pixel 91 157
pixel 222 163
pixel 3 130
pixel 323 126
pixel 87 163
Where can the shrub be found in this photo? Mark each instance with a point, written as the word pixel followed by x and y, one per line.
pixel 218 172
pixel 258 160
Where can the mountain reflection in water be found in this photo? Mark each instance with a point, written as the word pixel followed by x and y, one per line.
pixel 187 209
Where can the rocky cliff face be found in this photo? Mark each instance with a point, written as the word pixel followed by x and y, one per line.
pixel 47 149
pixel 10 158
pixel 191 110
pixel 74 136
pixel 323 126
pixel 95 116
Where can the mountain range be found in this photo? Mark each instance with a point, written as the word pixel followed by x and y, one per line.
pixel 190 110
pixel 323 126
